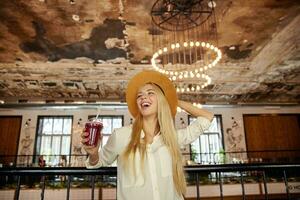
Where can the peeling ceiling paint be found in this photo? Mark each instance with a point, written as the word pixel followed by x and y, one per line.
pixel 88 50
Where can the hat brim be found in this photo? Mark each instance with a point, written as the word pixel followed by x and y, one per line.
pixel 150 76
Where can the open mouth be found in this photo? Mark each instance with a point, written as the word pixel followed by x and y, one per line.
pixel 145 105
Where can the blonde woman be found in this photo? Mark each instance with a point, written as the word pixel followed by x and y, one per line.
pixel 148 154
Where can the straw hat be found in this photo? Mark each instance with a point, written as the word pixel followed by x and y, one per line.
pixel 150 76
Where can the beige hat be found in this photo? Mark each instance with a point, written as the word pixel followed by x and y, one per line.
pixel 150 76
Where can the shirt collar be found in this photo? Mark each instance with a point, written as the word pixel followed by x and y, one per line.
pixel 155 137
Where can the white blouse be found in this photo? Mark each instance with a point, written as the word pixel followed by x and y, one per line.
pixel 156 183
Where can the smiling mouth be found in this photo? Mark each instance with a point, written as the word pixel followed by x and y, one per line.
pixel 145 105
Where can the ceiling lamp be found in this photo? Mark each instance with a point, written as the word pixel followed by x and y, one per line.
pixel 184 41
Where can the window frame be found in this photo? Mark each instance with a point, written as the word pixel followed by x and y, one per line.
pixel 218 117
pixel 37 134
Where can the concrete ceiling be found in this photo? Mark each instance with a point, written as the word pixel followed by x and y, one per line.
pixel 87 50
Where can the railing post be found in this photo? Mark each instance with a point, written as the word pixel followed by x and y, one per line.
pixel 243 187
pixel 93 186
pixel 265 186
pixel 43 187
pixel 17 192
pixel 68 186
pixel 221 185
pixel 286 185
pixel 197 184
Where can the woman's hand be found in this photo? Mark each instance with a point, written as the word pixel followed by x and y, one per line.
pixel 91 150
pixel 195 111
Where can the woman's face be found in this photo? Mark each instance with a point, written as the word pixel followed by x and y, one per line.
pixel 146 100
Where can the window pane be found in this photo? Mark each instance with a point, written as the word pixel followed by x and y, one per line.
pixel 38 145
pixel 47 126
pixel 55 145
pixel 65 148
pixel 196 145
pixel 57 128
pixel 46 145
pixel 117 123
pixel 67 126
pixel 107 126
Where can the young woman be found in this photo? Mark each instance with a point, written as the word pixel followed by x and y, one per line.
pixel 148 154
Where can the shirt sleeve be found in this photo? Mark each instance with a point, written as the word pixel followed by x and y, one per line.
pixel 193 131
pixel 107 155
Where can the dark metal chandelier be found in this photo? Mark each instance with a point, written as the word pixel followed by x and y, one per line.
pixel 185 41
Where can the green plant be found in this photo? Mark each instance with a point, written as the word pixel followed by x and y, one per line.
pixel 194 154
pixel 222 156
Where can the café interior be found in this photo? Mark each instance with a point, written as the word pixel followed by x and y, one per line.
pixel 66 62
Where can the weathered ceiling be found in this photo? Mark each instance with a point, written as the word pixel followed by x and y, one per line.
pixel 86 50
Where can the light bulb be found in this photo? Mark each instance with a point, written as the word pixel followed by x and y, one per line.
pixel 165 49
pixel 203 44
pixel 191 44
pixel 177 45
pixel 185 44
pixel 174 78
pixel 197 44
pixel 160 51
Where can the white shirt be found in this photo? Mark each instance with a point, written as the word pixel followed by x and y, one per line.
pixel 157 181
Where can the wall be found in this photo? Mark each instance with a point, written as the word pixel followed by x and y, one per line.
pixel 232 118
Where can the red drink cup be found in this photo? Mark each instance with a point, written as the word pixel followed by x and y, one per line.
pixel 93 128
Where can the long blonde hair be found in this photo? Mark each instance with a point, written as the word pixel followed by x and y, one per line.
pixel 169 136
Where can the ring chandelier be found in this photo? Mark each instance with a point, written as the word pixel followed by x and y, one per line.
pixel 184 71
pixel 185 40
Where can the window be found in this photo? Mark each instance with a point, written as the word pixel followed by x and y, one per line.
pixel 53 138
pixel 109 124
pixel 208 148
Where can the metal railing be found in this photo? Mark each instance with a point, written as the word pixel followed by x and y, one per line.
pixel 195 174
pixel 77 160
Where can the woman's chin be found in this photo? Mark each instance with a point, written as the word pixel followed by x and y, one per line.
pixel 147 113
